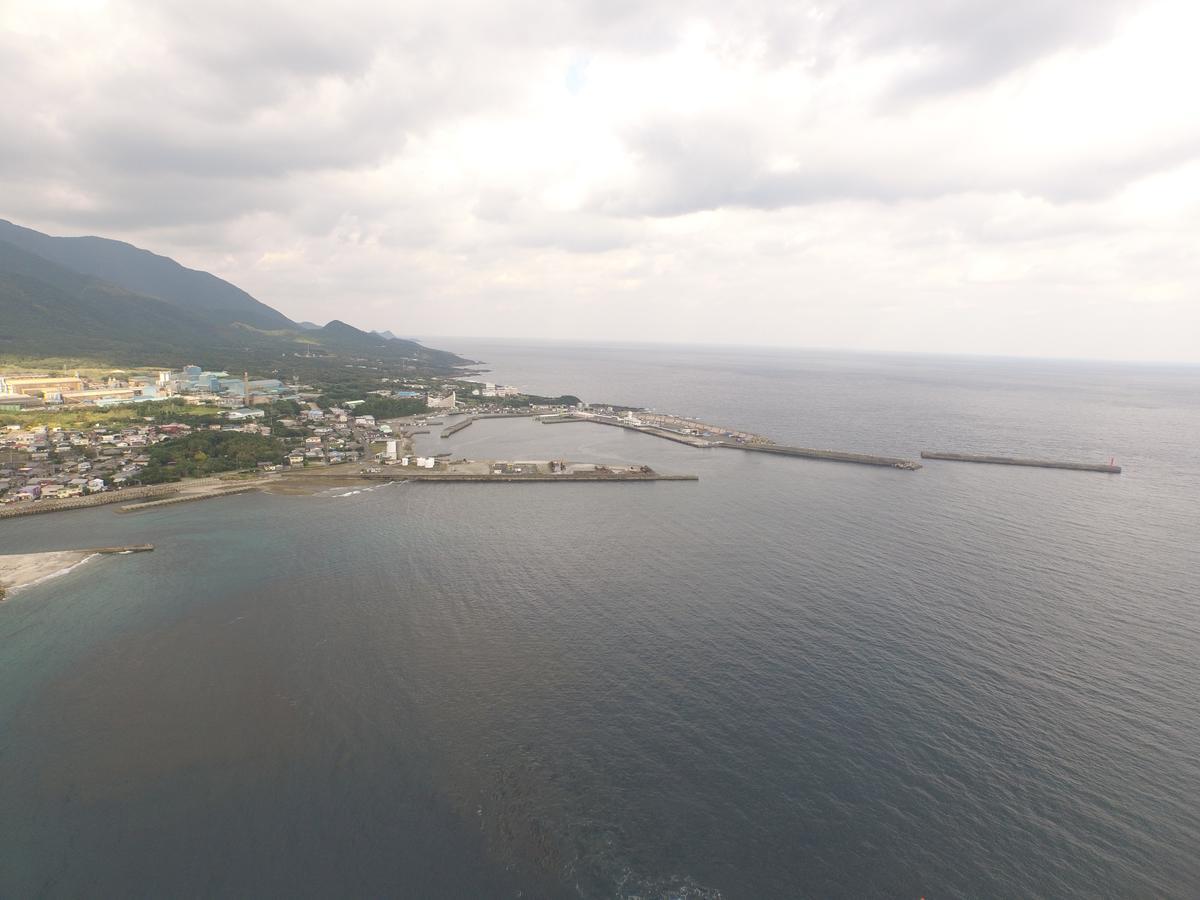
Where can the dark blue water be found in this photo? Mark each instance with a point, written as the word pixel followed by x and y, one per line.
pixel 790 678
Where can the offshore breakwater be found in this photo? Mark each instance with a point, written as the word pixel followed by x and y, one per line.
pixel 1016 461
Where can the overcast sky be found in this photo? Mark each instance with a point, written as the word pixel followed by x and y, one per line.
pixel 981 176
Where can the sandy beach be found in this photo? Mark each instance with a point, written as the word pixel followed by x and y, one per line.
pixel 20 569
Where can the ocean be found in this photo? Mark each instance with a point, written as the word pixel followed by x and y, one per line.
pixel 791 678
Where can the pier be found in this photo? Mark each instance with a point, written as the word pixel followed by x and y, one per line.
pixel 1014 461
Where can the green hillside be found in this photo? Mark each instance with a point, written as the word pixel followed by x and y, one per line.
pixel 102 300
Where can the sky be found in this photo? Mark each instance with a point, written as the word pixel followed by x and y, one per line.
pixel 1015 178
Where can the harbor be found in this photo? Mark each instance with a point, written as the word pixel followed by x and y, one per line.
pixel 1110 468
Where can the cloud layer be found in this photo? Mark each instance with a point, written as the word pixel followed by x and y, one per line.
pixel 946 176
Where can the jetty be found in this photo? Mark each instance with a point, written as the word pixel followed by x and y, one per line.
pixel 1015 461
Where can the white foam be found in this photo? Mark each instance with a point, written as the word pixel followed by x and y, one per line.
pixel 55 574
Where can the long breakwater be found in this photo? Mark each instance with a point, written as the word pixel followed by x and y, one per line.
pixel 1015 461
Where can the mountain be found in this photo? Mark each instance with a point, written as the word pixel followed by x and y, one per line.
pixel 107 300
pixel 48 310
pixel 386 334
pixel 146 273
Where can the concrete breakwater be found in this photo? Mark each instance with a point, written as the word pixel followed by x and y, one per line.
pixel 33 507
pixel 690 440
pixel 862 459
pixel 457 427
pixel 1014 461
pixel 186 498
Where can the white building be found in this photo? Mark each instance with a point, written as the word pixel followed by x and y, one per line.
pixel 448 402
pixel 236 415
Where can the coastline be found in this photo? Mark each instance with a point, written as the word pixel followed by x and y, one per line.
pixel 22 570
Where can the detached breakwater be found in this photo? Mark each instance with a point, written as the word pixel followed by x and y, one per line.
pixel 1015 461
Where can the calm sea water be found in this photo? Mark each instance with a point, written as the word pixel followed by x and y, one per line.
pixel 789 679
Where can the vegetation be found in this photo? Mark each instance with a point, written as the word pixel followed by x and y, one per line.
pixel 521 401
pixel 207 453
pixel 84 417
pixel 100 300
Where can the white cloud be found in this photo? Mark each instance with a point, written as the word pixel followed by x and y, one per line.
pixel 959 176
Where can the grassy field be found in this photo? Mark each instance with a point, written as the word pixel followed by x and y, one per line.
pixel 82 417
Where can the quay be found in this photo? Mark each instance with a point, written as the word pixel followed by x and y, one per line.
pixel 534 478
pixel 1014 461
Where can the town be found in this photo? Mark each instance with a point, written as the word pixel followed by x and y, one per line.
pixel 73 436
